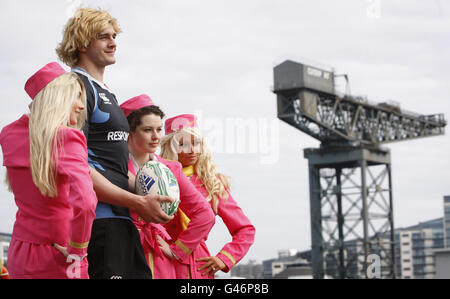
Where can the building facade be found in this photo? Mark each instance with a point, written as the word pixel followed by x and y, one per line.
pixel 447 220
pixel 417 246
pixel 250 270
pixel 442 263
pixel 289 264
pixel 5 239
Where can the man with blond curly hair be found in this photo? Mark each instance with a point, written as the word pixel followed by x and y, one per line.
pixel 115 251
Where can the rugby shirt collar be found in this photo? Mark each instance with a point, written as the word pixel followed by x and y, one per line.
pixel 83 72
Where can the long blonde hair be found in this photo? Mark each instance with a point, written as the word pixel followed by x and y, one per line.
pixel 215 183
pixel 50 110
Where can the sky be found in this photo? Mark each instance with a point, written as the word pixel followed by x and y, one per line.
pixel 215 59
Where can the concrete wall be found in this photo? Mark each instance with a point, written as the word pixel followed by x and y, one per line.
pixel 442 264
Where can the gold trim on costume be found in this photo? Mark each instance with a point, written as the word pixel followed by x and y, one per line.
pixel 183 247
pixel 151 264
pixel 184 220
pixel 228 255
pixel 189 170
pixel 78 245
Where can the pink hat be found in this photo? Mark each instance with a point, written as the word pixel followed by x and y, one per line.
pixel 180 122
pixel 136 103
pixel 42 77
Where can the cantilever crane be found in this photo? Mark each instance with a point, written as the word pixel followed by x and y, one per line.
pixel 351 211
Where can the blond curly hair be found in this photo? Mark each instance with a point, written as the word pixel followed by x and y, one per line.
pixel 80 30
pixel 215 183
pixel 50 110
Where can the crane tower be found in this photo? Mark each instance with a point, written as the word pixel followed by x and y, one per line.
pixel 351 205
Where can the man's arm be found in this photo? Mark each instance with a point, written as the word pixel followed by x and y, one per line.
pixel 148 207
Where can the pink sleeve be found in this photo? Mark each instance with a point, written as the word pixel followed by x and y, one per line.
pixel 201 218
pixel 73 163
pixel 131 167
pixel 240 228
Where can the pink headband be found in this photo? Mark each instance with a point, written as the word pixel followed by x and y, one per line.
pixel 136 103
pixel 180 122
pixel 43 77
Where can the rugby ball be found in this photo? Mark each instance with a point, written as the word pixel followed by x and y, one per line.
pixel 156 178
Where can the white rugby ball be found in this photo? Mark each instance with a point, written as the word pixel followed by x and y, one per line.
pixel 156 178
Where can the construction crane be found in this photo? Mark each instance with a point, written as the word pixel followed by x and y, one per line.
pixel 352 225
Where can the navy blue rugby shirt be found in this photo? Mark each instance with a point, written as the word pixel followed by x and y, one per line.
pixel 106 130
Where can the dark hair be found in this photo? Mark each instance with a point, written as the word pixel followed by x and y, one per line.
pixel 134 119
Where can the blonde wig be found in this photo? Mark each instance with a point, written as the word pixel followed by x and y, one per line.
pixel 215 183
pixel 80 30
pixel 51 109
pixel 8 184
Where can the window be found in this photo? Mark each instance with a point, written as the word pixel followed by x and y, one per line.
pixel 439 243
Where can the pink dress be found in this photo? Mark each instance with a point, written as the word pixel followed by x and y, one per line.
pixel 239 226
pixel 40 221
pixel 202 220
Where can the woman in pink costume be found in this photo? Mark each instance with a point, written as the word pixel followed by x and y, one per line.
pixel 164 254
pixel 47 170
pixel 183 142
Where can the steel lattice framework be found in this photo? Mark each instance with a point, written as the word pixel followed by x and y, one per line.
pixel 330 118
pixel 350 174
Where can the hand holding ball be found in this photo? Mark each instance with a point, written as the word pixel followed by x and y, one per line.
pixel 156 178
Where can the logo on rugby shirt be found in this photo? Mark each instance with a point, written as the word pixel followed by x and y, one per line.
pixel 104 98
pixel 117 136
